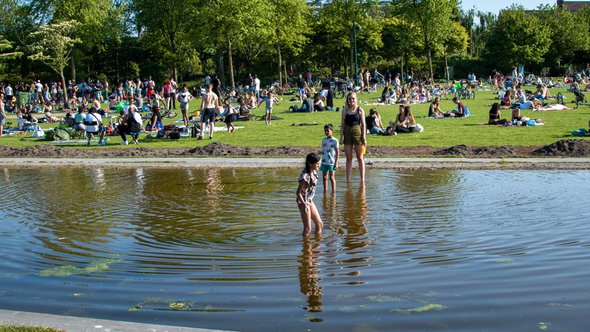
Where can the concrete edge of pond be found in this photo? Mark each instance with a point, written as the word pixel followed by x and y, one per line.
pixel 217 162
pixel 71 323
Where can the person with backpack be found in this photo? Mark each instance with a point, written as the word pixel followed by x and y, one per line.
pixel 132 125
pixel 94 126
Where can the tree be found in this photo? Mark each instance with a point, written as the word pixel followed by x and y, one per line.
pixel 454 43
pixel 167 24
pixel 566 36
pixel 94 17
pixel 335 31
pixel 229 21
pixel 5 45
pixel 289 19
pixel 432 17
pixel 53 44
pixel 517 38
pixel 400 40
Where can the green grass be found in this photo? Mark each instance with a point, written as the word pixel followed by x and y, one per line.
pixel 19 328
pixel 446 132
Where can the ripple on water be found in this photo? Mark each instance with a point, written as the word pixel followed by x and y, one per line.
pixel 227 241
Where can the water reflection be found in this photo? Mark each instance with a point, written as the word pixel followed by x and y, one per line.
pixel 175 252
pixel 352 235
pixel 355 217
pixel 330 213
pixel 214 188
pixel 309 268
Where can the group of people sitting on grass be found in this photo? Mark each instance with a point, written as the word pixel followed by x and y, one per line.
pixel 91 122
pixel 404 122
pixel 495 118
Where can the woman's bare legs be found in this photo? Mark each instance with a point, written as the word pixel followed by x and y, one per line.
pixel 361 161
pixel 348 153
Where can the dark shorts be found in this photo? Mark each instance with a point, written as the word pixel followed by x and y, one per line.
pixel 166 95
pixel 230 118
pixel 208 115
pixel 352 135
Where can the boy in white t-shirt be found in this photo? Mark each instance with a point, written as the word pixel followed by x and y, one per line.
pixel 330 154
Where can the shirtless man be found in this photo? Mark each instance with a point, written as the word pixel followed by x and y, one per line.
pixel 208 106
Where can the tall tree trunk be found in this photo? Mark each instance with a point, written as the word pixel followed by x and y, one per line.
pixel 446 67
pixel 117 67
pixel 403 76
pixel 73 69
pixel 64 86
pixel 430 63
pixel 280 65
pixel 352 68
pixel 231 63
pixel 285 68
pixel 220 68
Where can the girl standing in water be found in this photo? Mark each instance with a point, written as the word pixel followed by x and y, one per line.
pixel 308 181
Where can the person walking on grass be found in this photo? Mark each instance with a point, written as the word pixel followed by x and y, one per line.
pixel 208 106
pixel 308 181
pixel 330 154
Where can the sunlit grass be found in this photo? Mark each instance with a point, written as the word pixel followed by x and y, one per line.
pixel 288 131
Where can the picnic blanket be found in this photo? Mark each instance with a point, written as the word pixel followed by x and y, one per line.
pixel 556 107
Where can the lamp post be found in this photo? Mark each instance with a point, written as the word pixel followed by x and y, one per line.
pixel 356 27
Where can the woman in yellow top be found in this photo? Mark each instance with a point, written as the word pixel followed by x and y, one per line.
pixel 353 134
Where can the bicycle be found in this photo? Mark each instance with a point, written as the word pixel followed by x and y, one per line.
pixel 342 88
pixel 166 113
pixel 465 92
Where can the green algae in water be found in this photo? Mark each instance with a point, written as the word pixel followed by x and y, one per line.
pixel 504 260
pixel 344 296
pixel 68 270
pixel 62 271
pixel 384 298
pixel 428 307
pixel 543 326
pixel 178 306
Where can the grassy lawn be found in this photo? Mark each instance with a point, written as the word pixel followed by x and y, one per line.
pixel 447 132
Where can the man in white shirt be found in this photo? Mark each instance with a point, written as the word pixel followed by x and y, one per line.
pixel 257 86
pixel 94 126
pixel 8 91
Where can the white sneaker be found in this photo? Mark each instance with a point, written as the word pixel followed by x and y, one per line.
pixel 135 141
pixel 124 143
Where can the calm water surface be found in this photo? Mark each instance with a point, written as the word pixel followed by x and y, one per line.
pixel 413 251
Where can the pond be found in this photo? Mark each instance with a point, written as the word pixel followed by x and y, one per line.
pixel 444 250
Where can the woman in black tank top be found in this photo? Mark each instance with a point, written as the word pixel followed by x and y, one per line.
pixel 353 134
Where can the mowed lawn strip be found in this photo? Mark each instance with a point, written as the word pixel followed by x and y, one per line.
pixel 306 129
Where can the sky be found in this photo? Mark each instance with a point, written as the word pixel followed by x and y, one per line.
pixel 494 6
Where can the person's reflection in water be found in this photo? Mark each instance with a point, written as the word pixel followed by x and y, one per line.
pixel 213 188
pixel 308 273
pixel 331 212
pixel 355 233
pixel 355 217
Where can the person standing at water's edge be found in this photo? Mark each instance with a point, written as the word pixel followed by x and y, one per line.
pixel 330 154
pixel 353 134
pixel 308 181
